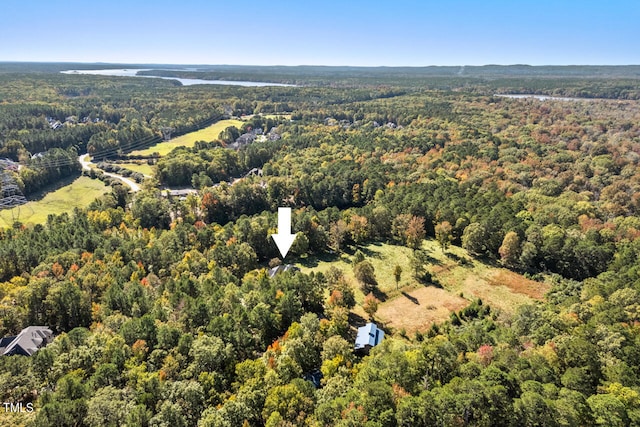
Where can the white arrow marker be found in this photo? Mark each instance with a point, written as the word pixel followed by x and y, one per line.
pixel 284 239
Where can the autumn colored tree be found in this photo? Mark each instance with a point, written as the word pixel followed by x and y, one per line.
pixel 337 234
pixel 57 270
pixel 443 234
pixel 370 305
pixel 485 354
pixel 415 232
pixel 510 250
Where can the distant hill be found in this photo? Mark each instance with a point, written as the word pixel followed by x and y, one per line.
pixel 519 70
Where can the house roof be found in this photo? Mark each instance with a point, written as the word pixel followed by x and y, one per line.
pixel 183 192
pixel 4 342
pixel 281 269
pixel 369 335
pixel 28 341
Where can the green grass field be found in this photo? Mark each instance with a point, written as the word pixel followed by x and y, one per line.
pixel 276 116
pixel 79 193
pixel 383 257
pixel 143 168
pixel 188 140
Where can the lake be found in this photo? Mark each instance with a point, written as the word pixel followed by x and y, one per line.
pixel 133 72
pixel 540 97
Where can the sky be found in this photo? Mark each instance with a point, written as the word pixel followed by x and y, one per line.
pixel 330 32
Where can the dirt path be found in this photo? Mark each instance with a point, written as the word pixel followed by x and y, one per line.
pixel 86 166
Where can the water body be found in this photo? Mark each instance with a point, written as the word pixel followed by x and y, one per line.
pixel 133 72
pixel 540 97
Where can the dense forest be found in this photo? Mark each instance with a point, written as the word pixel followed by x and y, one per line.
pixel 162 308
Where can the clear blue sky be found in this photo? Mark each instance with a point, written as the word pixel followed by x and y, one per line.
pixel 330 32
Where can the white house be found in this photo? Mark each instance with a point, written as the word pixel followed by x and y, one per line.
pixel 368 336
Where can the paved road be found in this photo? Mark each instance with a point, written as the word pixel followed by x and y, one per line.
pixel 131 183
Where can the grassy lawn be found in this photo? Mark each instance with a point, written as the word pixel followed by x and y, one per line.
pixel 383 257
pixel 209 133
pixel 78 193
pixel 458 279
pixel 503 289
pixel 142 168
pixel 276 116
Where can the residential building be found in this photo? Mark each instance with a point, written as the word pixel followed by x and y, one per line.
pixel 368 336
pixel 27 342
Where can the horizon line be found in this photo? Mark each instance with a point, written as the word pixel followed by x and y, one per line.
pixel 315 65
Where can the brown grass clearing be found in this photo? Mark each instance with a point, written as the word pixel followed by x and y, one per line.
pixel 415 307
pixel 518 283
pixel 416 310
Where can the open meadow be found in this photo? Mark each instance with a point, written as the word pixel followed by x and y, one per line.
pixel 458 279
pixel 210 133
pixel 142 167
pixel 78 194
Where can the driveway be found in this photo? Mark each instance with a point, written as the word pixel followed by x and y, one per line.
pixel 85 162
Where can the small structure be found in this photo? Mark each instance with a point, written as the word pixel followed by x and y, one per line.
pixel 244 139
pixel 273 272
pixel 254 172
pixel 273 134
pixel 368 336
pixel 53 123
pixel 27 342
pixel 181 194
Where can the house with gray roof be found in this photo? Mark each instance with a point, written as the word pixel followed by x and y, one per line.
pixel 281 269
pixel 27 342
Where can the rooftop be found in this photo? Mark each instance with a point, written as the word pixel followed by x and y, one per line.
pixel 368 336
pixel 281 269
pixel 27 342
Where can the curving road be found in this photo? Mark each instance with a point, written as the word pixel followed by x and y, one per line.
pixel 85 166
